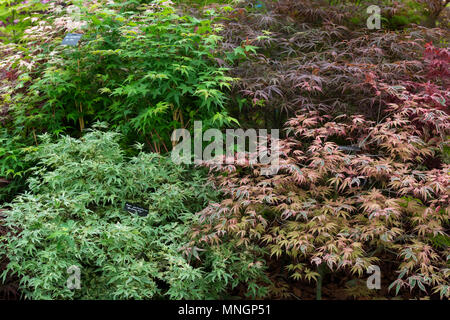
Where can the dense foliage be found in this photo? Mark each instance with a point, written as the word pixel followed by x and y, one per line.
pixel 363 178
pixel 348 207
pixel 125 72
pixel 310 58
pixel 73 215
pixel 146 72
pixel 17 16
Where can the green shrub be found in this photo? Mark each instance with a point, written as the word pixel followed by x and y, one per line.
pixel 146 72
pixel 73 216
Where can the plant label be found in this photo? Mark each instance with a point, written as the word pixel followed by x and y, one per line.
pixel 71 39
pixel 135 209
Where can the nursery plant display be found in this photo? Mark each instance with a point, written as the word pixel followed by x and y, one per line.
pixel 94 205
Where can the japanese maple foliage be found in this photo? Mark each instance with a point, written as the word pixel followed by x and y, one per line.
pixel 308 55
pixel 438 63
pixel 350 192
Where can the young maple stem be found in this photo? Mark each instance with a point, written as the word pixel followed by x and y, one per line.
pixel 149 143
pixel 321 270
pixel 162 142
pixel 34 136
pixel 80 119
